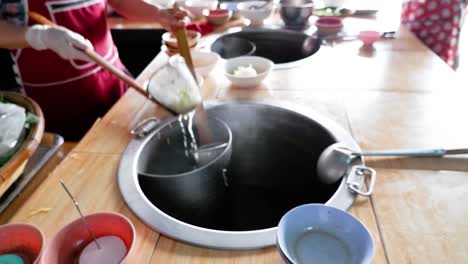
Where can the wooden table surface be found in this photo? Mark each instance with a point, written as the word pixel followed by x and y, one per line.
pixel 398 95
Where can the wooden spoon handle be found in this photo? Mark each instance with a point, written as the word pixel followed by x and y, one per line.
pixel 182 45
pixel 99 60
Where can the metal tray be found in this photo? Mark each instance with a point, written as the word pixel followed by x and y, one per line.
pixel 49 145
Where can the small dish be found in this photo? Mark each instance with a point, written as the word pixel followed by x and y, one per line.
pixel 67 245
pixel 217 17
pixel 329 25
pixel 22 241
pixel 170 40
pixel 369 37
pixel 255 11
pixel 261 65
pixel 316 233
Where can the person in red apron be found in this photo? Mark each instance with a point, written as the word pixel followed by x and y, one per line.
pixel 437 24
pixel 71 91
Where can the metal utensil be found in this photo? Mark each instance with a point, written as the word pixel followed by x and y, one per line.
pixel 336 159
pixel 333 39
pixel 75 203
pixel 99 60
pixel 206 153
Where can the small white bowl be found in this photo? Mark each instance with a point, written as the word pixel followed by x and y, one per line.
pixel 196 7
pixel 262 66
pixel 203 61
pixel 316 233
pixel 256 16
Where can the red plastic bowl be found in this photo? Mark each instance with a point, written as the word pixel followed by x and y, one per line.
pixel 21 239
pixel 67 244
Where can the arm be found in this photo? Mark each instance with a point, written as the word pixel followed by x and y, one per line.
pixel 12 37
pixel 41 37
pixel 142 11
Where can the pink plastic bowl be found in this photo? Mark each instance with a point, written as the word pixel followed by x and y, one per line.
pixel 67 244
pixel 329 24
pixel 369 37
pixel 21 239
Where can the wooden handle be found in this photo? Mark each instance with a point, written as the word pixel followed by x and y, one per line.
pixel 40 18
pixel 99 60
pixel 183 47
pixel 456 151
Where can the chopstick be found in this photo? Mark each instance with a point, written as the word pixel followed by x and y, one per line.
pixel 99 60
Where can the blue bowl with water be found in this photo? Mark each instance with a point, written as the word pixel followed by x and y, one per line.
pixel 316 233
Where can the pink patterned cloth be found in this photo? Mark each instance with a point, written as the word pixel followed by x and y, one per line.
pixel 437 24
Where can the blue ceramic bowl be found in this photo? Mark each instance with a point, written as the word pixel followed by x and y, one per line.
pixel 316 233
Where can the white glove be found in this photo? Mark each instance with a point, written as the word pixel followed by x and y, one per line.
pixel 58 39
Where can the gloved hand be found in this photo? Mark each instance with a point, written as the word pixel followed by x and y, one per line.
pixel 58 39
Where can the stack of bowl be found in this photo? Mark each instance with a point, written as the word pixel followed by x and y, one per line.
pixel 170 41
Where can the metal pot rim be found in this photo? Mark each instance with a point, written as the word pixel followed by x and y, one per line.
pixel 167 123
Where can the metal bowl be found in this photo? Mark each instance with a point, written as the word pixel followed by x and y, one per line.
pixel 296 13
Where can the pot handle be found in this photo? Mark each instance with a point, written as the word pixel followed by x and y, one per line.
pixel 357 172
pixel 145 127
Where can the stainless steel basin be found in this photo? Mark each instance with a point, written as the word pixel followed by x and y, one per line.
pixel 275 148
pixel 283 47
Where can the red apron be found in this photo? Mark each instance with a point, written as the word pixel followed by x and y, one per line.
pixel 437 24
pixel 72 94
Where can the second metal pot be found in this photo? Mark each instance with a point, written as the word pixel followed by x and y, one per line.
pixel 175 181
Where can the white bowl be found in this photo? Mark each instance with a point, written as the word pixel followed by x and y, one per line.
pixel 316 233
pixel 203 61
pixel 255 15
pixel 196 7
pixel 262 65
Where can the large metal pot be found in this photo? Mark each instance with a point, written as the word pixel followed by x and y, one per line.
pixel 275 148
pixel 185 186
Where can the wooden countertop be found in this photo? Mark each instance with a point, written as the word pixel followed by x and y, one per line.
pixel 398 95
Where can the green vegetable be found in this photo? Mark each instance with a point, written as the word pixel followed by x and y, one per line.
pixel 184 100
pixel 30 120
